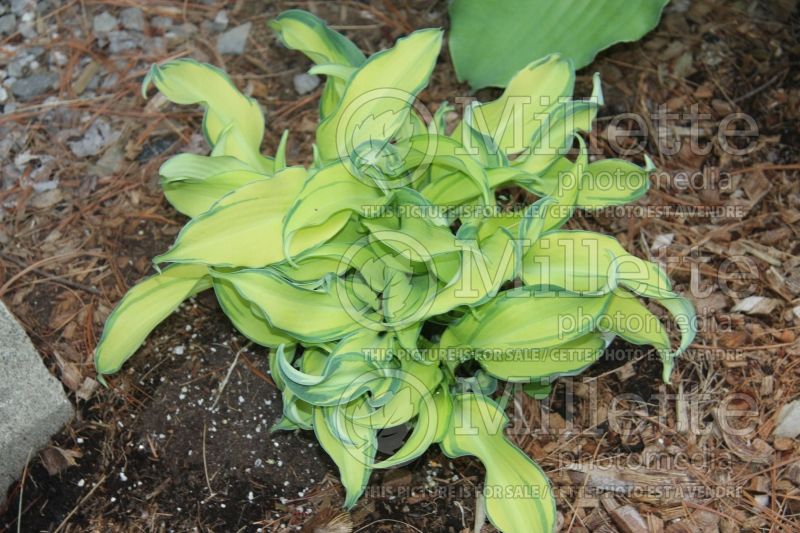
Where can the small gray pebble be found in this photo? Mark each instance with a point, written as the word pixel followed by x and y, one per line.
pixel 34 85
pixel 27 29
pixel 305 83
pixel 104 22
pixel 182 32
pixel 8 24
pixel 220 21
pixel 20 6
pixel 16 69
pixel 234 40
pixel 132 19
pixel 161 23
pixel 122 41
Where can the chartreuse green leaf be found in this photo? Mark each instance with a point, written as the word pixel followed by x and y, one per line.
pixel 250 322
pixel 415 381
pixel 559 127
pixel 297 414
pixel 142 309
pixel 312 316
pixel 421 437
pixel 193 183
pixel 380 94
pixel 444 411
pixel 590 263
pixel 483 271
pixel 345 377
pixel 442 154
pixel 518 495
pixel 514 320
pixel 683 313
pixel 328 196
pixel 613 182
pixel 355 454
pixel 490 40
pixel 627 317
pixel 512 119
pixel 185 81
pixel 306 33
pixel 328 258
pixel 421 241
pixel 245 228
pixel 525 364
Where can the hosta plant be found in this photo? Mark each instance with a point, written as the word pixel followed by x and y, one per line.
pixel 386 280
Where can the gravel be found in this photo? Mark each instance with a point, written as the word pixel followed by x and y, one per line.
pixel 8 23
pixel 220 21
pixel 234 40
pixel 104 22
pixel 20 6
pixel 133 19
pixel 97 137
pixel 34 85
pixel 121 41
pixel 305 83
pixel 161 23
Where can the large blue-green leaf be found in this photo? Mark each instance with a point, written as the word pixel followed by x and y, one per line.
pixel 491 40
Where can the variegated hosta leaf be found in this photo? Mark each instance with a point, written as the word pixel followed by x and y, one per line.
pixel 193 183
pixel 297 414
pixel 302 31
pixel 325 201
pixel 570 177
pixel 415 381
pixel 380 94
pixel 613 182
pixel 420 241
pixel 142 309
pixel 518 495
pixel 351 447
pixel 344 378
pixel 249 321
pixel 525 364
pixel 424 434
pixel 309 315
pixel 245 228
pixel 683 313
pixel 512 119
pixel 590 263
pixel 627 317
pixel 484 269
pixel 602 183
pixel 233 123
pixel 516 319
pixel 555 136
pixel 328 258
pixel 439 153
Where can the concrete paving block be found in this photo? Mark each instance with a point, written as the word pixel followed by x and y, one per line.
pixel 33 405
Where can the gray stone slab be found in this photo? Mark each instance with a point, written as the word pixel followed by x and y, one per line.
pixel 33 405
